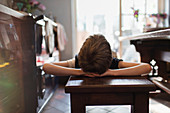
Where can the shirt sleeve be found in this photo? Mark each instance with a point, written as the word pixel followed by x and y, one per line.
pixel 115 63
pixel 71 63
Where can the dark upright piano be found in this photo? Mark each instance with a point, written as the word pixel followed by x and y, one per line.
pixel 155 46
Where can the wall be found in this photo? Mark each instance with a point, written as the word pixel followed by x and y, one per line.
pixel 161 6
pixel 61 9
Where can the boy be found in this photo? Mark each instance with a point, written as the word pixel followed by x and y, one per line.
pixel 95 59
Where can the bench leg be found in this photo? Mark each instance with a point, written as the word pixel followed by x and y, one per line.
pixel 77 104
pixel 141 103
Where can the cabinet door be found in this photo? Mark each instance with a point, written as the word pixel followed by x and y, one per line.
pixel 11 76
pixel 17 65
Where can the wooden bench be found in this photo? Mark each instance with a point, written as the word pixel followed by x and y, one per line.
pixel 132 91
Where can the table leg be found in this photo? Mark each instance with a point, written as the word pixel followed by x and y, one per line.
pixel 77 104
pixel 141 103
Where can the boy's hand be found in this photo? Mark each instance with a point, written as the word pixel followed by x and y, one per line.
pixel 92 75
pixel 106 73
pixel 98 75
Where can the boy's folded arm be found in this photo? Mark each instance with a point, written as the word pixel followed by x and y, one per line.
pixel 61 63
pixel 129 69
pixel 54 69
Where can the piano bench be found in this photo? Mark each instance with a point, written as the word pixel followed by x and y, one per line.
pixel 132 91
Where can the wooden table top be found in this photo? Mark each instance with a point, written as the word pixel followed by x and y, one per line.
pixel 108 84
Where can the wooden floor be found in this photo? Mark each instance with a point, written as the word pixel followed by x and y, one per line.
pixel 60 103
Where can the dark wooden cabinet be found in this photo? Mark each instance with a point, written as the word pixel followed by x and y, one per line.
pixel 18 93
pixel 24 87
pixel 155 46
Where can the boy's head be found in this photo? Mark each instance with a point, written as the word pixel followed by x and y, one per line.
pixel 95 55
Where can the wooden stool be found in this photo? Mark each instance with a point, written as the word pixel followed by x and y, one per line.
pixel 132 91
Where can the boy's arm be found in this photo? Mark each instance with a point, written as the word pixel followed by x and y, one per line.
pixel 128 68
pixel 61 69
pixel 61 63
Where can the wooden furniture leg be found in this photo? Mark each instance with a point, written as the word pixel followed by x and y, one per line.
pixel 77 104
pixel 141 103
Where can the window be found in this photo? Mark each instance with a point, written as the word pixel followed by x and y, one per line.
pixel 103 16
pixel 132 25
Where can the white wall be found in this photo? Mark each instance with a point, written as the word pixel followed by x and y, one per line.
pixel 161 6
pixel 62 10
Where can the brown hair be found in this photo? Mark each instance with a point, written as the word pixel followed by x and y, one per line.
pixel 95 54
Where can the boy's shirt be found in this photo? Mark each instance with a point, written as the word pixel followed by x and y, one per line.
pixel 73 63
